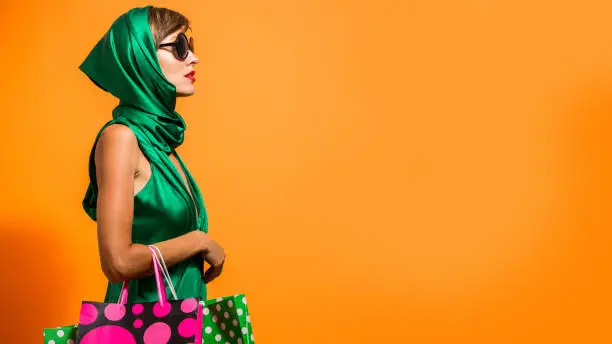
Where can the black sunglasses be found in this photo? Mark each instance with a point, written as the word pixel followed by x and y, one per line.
pixel 180 47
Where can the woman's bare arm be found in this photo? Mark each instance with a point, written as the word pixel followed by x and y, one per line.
pixel 116 159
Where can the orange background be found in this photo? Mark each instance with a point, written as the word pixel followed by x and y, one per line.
pixel 378 171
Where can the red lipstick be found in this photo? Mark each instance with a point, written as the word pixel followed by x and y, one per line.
pixel 191 76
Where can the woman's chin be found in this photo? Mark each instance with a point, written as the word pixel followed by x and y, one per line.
pixel 185 92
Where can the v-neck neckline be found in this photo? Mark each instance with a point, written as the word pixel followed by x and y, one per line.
pixel 186 183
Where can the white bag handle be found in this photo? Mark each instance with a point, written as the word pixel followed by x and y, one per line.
pixel 158 265
pixel 164 269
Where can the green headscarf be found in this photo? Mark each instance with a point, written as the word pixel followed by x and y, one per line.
pixel 124 62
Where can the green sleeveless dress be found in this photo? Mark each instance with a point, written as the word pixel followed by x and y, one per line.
pixel 124 63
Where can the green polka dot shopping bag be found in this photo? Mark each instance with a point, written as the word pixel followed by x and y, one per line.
pixel 60 335
pixel 227 321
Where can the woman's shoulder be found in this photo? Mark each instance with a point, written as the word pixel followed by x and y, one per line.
pixel 116 140
pixel 122 130
pixel 115 125
pixel 116 131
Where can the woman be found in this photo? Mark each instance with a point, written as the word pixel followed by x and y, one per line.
pixel 140 191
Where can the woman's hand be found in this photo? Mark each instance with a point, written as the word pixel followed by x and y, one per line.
pixel 214 255
pixel 213 272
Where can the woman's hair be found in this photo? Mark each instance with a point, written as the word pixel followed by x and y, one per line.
pixel 163 22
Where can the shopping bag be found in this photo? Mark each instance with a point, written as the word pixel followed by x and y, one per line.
pixel 163 321
pixel 227 320
pixel 60 335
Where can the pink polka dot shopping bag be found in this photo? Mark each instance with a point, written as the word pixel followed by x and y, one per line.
pixel 164 321
pixel 224 320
